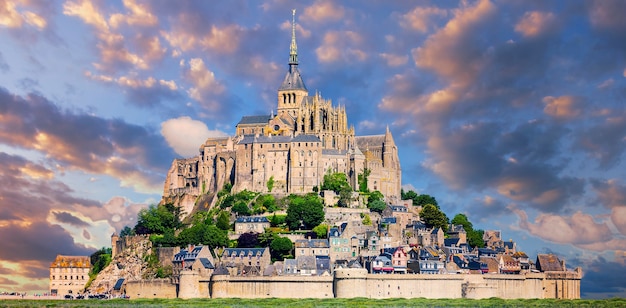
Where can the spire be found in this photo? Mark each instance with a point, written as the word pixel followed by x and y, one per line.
pixel 293 49
pixel 293 80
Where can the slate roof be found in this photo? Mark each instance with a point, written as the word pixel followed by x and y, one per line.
pixel 306 263
pixel 252 219
pixel 293 80
pixel 206 263
pixel 365 142
pixel 322 263
pixel 243 252
pixel 333 152
pixel 449 242
pixel 248 139
pixel 549 263
pixel 312 243
pixel 255 119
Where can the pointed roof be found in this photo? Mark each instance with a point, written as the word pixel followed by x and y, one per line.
pixel 293 79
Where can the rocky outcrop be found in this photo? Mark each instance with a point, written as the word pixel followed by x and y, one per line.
pixel 130 264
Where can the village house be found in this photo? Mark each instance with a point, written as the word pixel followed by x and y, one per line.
pixel 254 224
pixel 245 261
pixel 311 247
pixel 196 258
pixel 69 274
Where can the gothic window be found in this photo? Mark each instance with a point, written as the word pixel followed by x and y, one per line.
pixel 310 153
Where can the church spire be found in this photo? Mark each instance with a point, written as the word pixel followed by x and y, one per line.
pixel 293 49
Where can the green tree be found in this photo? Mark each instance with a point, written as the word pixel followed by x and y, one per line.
pixel 270 184
pixel 336 182
pixel 280 247
pixel 461 219
pixel 277 220
pixel 99 260
pixel 241 208
pixel 203 234
pixel 306 211
pixel 248 240
pixel 367 220
pixel 362 177
pixel 126 231
pixel 158 219
pixel 422 200
pixel 375 195
pixel 223 221
pixel 433 217
pixel 321 231
pixel 377 206
pixel 345 196
pixel 474 237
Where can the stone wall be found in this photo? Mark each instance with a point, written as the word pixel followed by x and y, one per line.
pixel 224 286
pixel 351 283
pixel 155 288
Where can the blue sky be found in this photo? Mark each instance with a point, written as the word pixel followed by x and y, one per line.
pixel 511 112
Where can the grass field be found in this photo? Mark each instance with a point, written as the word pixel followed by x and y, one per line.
pixel 303 303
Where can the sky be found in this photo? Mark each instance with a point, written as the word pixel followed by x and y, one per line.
pixel 512 112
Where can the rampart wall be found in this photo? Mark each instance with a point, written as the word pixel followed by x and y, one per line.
pixel 350 283
pixel 155 288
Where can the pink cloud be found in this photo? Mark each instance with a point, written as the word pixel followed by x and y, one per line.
pixel 563 107
pixel 323 11
pixel 418 19
pixel 579 230
pixel 536 23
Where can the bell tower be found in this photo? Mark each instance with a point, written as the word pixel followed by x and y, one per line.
pixel 292 90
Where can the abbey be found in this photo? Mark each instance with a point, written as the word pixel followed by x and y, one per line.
pixel 291 150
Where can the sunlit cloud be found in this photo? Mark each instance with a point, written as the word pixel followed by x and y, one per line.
pixel 536 23
pixel 185 135
pixel 418 19
pixel 323 11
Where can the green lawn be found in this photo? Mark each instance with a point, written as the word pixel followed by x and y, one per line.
pixel 303 303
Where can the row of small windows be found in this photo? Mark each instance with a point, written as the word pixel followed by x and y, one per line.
pixel 280 145
pixel 71 277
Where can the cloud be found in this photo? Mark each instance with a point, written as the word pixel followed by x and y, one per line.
pixel 536 23
pixel 131 153
pixel 185 135
pixel 13 14
pixel 418 19
pixel 603 278
pixel 610 192
pixel 139 15
pixel 605 141
pixel 394 60
pixel 147 92
pixel 322 11
pixel 116 52
pixel 563 107
pixel 449 52
pixel 340 45
pixel 580 230
pixel 68 218
pixel 206 88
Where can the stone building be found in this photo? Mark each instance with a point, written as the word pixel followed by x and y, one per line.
pixel 307 137
pixel 69 274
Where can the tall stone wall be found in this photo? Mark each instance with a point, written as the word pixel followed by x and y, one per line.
pixel 155 288
pixel 224 286
pixel 351 283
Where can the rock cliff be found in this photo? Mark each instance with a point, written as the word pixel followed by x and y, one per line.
pixel 130 264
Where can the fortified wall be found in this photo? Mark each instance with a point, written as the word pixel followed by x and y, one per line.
pixel 351 283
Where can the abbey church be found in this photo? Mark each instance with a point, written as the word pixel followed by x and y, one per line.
pixel 291 150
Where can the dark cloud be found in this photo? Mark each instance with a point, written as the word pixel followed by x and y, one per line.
pixel 38 241
pixel 84 141
pixel 604 141
pixel 68 218
pixel 603 278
